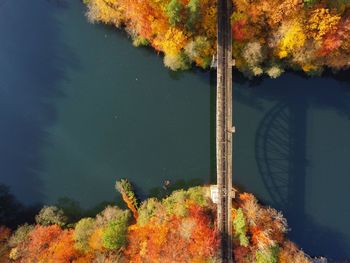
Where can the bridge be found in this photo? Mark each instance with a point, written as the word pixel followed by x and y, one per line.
pixel 224 128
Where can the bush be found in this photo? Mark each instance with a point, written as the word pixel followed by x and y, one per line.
pixel 115 235
pixel 240 228
pixel 83 231
pixel 110 213
pixel 198 195
pixel 148 209
pixel 176 62
pixel 51 215
pixel 20 235
pixel 267 256
pixel 175 204
pixel 173 11
pixel 140 41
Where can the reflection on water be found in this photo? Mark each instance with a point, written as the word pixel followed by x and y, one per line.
pixel 33 63
pixel 81 108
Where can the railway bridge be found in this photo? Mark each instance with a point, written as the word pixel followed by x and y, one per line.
pixel 224 128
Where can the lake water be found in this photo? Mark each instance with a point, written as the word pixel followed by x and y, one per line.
pixel 80 107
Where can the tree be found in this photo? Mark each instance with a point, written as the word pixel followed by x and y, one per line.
pixel 39 241
pixel 105 11
pixel 193 10
pixel 20 235
pixel 115 235
pixel 125 188
pixel 173 11
pixel 62 249
pixel 110 213
pixel 321 22
pixel 83 232
pixel 4 247
pixel 51 215
pixel 240 227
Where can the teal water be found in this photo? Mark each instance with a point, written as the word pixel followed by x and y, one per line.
pixel 80 108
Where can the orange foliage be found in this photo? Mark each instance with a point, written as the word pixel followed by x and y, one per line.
pixel 5 233
pixel 39 242
pixel 62 249
pixel 166 242
pixel 246 196
pixel 95 241
pixel 205 240
pixel 87 258
pixel 130 205
pixel 4 248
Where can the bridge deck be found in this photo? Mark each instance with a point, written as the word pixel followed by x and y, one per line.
pixel 224 127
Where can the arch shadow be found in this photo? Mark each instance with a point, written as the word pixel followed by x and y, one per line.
pixel 282 162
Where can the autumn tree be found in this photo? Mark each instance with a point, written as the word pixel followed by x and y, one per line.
pixel 51 215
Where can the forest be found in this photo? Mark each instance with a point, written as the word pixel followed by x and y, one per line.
pixel 269 36
pixel 181 227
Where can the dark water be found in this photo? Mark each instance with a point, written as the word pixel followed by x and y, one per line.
pixel 80 108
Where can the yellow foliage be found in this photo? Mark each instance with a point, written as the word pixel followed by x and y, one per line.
pixel 106 11
pixel 14 254
pixel 95 241
pixel 173 41
pixel 321 22
pixel 293 39
pixel 209 13
pixel 309 67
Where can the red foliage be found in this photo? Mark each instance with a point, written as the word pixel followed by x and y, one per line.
pixel 39 242
pixel 205 240
pixel 166 242
pixel 240 253
pixel 238 30
pixel 4 233
pixel 49 244
pixel 331 42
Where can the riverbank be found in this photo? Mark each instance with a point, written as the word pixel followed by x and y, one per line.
pixel 177 228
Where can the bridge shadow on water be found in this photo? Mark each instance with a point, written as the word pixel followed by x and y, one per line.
pixel 34 63
pixel 283 151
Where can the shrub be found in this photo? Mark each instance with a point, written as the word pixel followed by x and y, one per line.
pixel 198 195
pixel 20 235
pixel 51 215
pixel 83 231
pixel 110 213
pixel 267 256
pixel 148 209
pixel 240 228
pixel 176 62
pixel 175 204
pixel 173 11
pixel 115 235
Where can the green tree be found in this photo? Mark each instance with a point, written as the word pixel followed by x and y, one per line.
pixel 267 256
pixel 115 234
pixel 173 11
pixel 147 210
pixel 193 10
pixel 240 228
